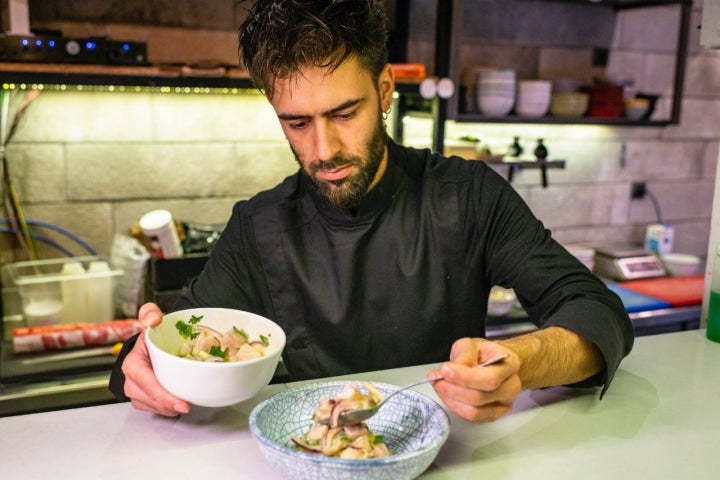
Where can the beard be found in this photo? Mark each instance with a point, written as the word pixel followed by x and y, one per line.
pixel 348 192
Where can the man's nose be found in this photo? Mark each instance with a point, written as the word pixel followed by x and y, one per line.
pixel 327 142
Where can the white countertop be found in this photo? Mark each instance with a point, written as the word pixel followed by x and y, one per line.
pixel 659 420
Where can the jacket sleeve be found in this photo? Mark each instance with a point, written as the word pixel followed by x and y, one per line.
pixel 553 286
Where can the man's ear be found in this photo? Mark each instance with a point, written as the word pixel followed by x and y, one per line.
pixel 386 87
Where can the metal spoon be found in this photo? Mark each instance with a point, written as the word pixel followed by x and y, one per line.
pixel 356 416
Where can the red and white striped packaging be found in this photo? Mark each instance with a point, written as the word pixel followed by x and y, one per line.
pixel 73 335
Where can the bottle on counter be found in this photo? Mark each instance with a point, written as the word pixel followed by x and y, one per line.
pixel 713 315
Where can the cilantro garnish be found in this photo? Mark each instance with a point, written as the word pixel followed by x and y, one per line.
pixel 216 351
pixel 186 329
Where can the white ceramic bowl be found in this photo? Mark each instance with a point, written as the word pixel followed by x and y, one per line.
pixel 213 384
pixel 496 105
pixel 500 301
pixel 681 264
pixel 414 428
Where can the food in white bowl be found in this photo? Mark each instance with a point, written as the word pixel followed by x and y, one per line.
pixel 214 383
pixel 412 426
pixel 681 264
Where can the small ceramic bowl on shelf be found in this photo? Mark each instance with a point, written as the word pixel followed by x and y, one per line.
pixel 636 108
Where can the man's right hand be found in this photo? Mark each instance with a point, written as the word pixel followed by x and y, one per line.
pixel 141 385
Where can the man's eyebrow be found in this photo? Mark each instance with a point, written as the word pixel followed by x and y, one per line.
pixel 347 104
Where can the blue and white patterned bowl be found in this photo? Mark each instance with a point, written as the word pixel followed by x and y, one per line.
pixel 414 428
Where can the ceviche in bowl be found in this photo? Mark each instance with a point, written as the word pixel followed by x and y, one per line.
pixel 214 357
pixel 294 430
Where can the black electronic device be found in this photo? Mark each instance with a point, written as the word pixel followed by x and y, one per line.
pixel 59 49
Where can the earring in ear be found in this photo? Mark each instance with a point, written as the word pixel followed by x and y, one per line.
pixel 386 113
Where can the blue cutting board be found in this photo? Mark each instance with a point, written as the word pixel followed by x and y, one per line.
pixel 637 302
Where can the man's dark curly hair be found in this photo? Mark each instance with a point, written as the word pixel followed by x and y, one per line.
pixel 279 37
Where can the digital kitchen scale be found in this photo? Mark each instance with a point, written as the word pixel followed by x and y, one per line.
pixel 627 263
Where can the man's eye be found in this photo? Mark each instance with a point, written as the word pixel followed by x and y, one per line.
pixel 298 125
pixel 345 116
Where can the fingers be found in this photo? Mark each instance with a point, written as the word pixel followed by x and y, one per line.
pixel 478 394
pixel 142 387
pixel 150 315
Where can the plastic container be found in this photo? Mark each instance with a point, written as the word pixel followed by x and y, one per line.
pixel 100 292
pixel 713 316
pixel 41 285
pixel 74 292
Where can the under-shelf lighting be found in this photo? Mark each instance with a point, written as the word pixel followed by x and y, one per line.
pixel 133 89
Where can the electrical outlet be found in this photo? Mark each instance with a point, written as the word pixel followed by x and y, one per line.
pixel 637 190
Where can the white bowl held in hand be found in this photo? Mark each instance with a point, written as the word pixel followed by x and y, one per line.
pixel 213 384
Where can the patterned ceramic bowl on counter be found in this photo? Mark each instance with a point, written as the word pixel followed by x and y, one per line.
pixel 413 427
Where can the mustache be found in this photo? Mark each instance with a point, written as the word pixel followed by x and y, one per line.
pixel 333 163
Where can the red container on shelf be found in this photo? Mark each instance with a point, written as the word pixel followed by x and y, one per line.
pixel 606 101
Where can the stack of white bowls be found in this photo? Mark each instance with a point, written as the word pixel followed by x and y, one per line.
pixel 495 91
pixel 533 98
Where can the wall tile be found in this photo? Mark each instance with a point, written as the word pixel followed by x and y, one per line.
pixel 700 119
pixel 213 117
pixel 37 172
pixel 676 201
pixel 710 161
pixel 90 222
pixel 652 29
pixel 658 160
pixel 703 74
pixel 263 165
pixel 72 116
pixel 660 74
pixel 121 171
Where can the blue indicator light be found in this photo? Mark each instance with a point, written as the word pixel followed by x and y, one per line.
pixel 126 46
pixel 25 42
pixel 38 43
pixel 90 45
pixel 51 43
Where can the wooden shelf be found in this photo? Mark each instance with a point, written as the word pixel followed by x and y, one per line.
pixel 137 76
pixel 619 121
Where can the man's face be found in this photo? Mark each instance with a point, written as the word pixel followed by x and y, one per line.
pixel 333 122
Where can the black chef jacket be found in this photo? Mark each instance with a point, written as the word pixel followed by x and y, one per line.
pixel 397 281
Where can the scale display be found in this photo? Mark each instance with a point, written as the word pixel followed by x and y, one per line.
pixel 640 267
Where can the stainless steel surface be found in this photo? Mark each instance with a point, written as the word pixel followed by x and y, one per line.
pixel 71 392
pixel 33 385
pixel 44 381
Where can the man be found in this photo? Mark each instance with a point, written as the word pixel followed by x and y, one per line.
pixel 377 256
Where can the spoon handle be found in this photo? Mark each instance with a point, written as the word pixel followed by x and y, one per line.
pixel 497 359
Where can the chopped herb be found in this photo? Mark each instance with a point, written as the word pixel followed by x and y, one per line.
pixel 216 351
pixel 241 332
pixel 186 329
pixel 265 341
